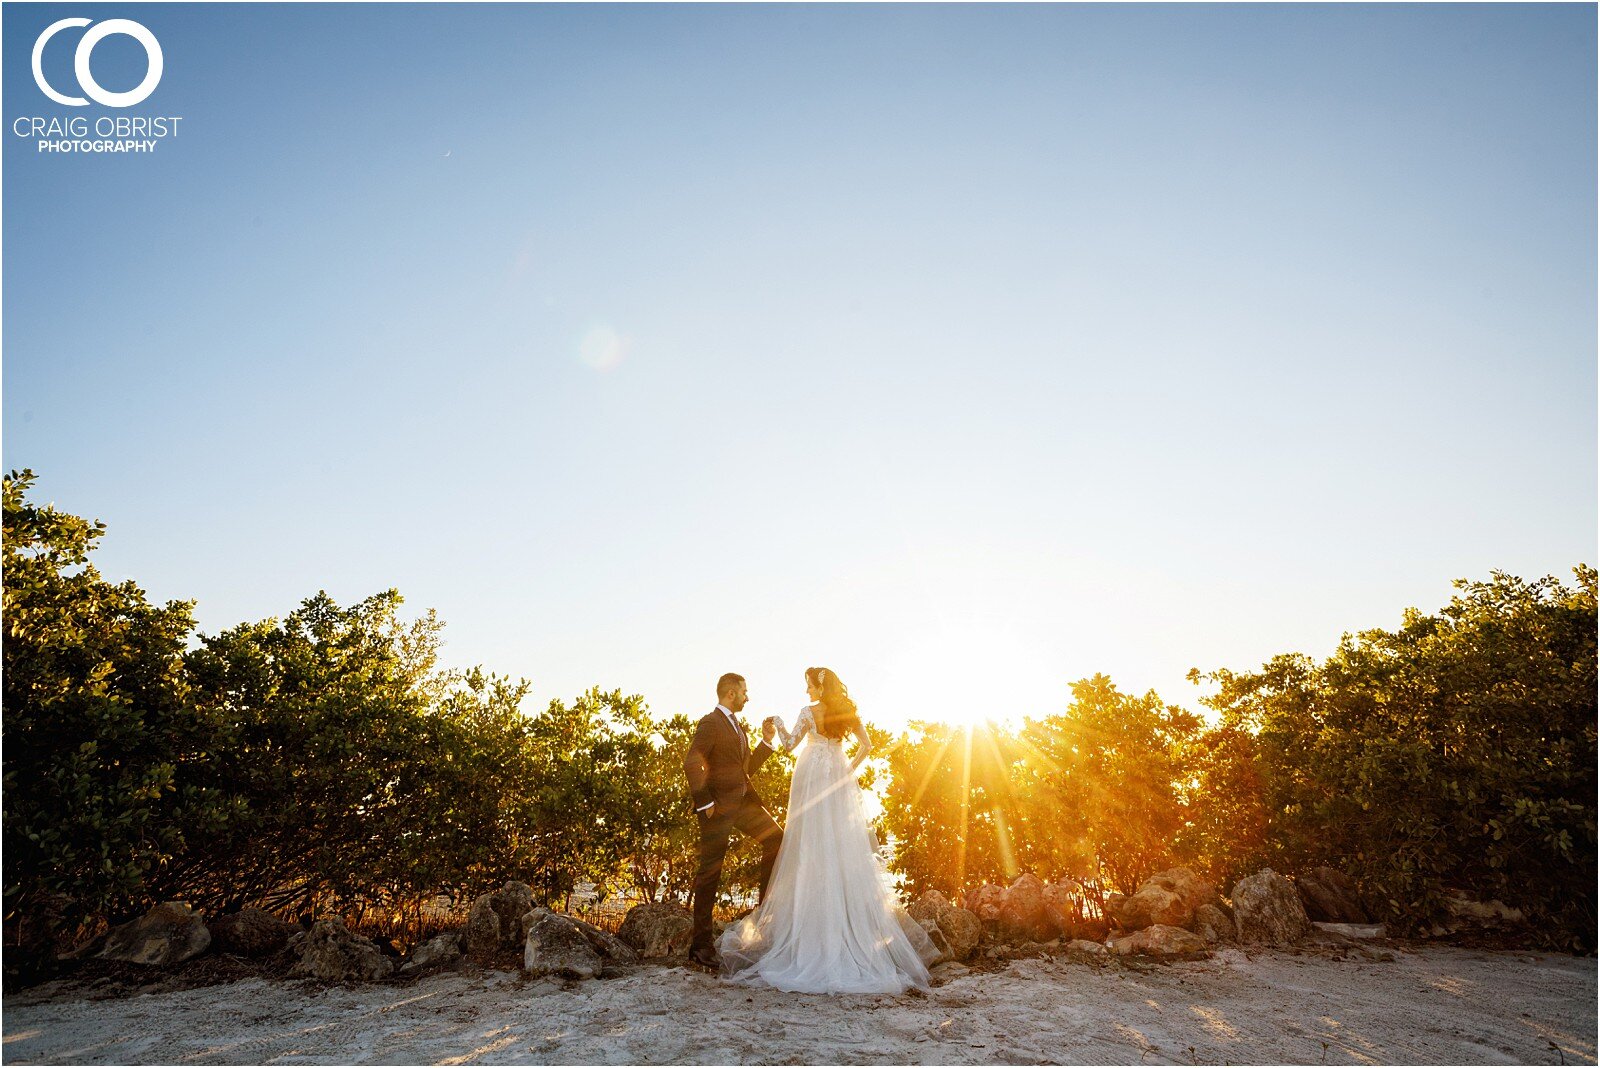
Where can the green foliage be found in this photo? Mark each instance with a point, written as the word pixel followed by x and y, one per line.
pixel 1457 752
pixel 1106 771
pixel 100 736
pixel 944 835
pixel 1224 834
pixel 355 771
pixel 321 761
pixel 325 761
pixel 1089 793
pixel 610 796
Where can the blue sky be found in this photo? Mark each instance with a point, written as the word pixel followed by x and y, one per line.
pixel 967 350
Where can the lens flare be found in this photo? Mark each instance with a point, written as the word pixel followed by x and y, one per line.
pixel 602 347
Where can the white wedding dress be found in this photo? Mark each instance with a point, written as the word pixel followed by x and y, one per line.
pixel 829 923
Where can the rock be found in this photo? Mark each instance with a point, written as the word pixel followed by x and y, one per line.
pixel 168 934
pixel 961 928
pixel 1063 904
pixel 1081 949
pixel 439 951
pixel 1356 931
pixel 1023 913
pixel 1465 912
pixel 1113 901
pixel 940 942
pixel 1267 910
pixel 331 953
pixel 510 903
pixel 481 937
pixel 928 904
pixel 1213 924
pixel 657 930
pixel 1331 896
pixel 1162 940
pixel 949 970
pixel 1152 904
pixel 1194 890
pixel 1168 897
pixel 986 903
pixel 251 932
pixel 606 945
pixel 556 946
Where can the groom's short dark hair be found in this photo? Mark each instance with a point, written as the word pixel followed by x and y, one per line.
pixel 728 682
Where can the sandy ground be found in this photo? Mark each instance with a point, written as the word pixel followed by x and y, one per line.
pixel 1430 1005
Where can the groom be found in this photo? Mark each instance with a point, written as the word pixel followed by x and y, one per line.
pixel 719 765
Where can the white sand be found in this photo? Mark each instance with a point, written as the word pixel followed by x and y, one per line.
pixel 1438 1005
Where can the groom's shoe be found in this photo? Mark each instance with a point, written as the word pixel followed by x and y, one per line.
pixel 705 957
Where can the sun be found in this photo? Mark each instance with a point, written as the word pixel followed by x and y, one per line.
pixel 968 674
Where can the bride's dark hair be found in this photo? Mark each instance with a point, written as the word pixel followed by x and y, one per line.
pixel 836 714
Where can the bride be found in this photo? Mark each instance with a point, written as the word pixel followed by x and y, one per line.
pixel 829 923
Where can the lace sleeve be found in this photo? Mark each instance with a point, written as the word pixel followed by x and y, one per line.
pixel 802 724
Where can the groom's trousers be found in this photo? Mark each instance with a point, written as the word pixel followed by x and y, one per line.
pixel 753 820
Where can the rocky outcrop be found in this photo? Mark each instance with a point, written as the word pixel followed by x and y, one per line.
pixel 1152 904
pixel 480 940
pixel 1024 917
pixel 1469 912
pixel 940 942
pixel 1190 888
pixel 510 903
pixel 330 952
pixel 1063 902
pixel 1267 910
pixel 440 951
pixel 657 930
pixel 1169 898
pixel 170 933
pixel 960 928
pixel 605 943
pixel 1331 896
pixel 564 945
pixel 1354 931
pixel 1025 911
pixel 1213 924
pixel 494 922
pixel 556 947
pixel 250 932
pixel 986 903
pixel 1164 941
